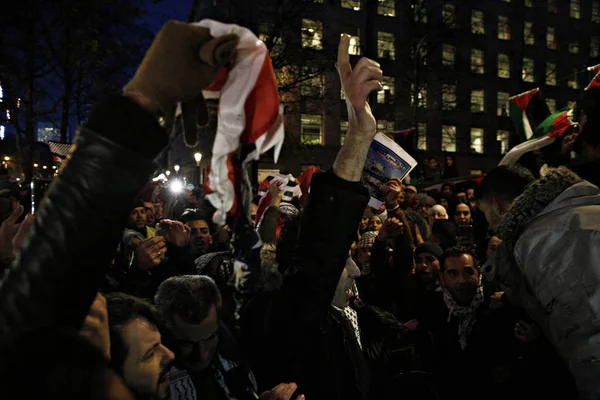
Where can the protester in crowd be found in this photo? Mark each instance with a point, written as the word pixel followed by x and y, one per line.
pixel 138 221
pixel 543 224
pixel 450 170
pixel 423 204
pixel 366 219
pixel 448 188
pixel 444 233
pixel 410 193
pixel 432 172
pixel 375 224
pixel 201 239
pixel 137 351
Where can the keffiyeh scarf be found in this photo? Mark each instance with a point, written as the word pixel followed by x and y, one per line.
pixel 465 314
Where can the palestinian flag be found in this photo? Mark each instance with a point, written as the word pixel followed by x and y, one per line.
pixel 595 78
pixel 527 111
pixel 553 127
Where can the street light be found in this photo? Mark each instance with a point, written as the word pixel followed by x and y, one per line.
pixel 176 168
pixel 168 173
pixel 7 158
pixel 45 167
pixel 54 167
pixel 35 165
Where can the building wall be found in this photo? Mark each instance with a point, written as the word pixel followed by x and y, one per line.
pixel 557 14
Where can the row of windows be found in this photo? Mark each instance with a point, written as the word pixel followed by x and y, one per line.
pixel 419 9
pixel 312 134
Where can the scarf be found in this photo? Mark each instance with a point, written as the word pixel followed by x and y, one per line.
pixel 465 314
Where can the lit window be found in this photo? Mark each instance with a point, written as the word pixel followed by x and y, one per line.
pixel 551 74
pixel 385 127
pixel 449 15
pixel 552 6
pixel 1 132
pixel 503 28
pixel 386 45
pixel 354 33
pixel 596 11
pixel 527 74
pixel 312 83
pixel 421 97
pixel 312 34
pixel 477 61
pixel 448 55
pixel 504 138
pixel 594 46
pixel 386 8
pixel 419 11
pixel 551 38
pixel 311 128
pixel 503 65
pixel 387 94
pixel 421 136
pixel 448 97
pixel 529 3
pixel 575 9
pixel 503 104
pixel 528 35
pixel 573 84
pixel 551 103
pixel 449 138
pixel 477 140
pixel 574 47
pixel 477 101
pixel 477 22
pixel 343 131
pixel 352 4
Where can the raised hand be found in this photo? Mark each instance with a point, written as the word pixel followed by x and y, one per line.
pixel 283 391
pixel 394 188
pixel 392 228
pixel 149 253
pixel 357 84
pixel 174 232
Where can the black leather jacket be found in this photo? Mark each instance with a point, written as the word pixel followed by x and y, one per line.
pixel 78 226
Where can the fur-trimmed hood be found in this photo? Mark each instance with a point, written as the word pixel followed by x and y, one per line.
pixel 534 199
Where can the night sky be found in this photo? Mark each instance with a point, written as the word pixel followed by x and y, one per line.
pixel 160 13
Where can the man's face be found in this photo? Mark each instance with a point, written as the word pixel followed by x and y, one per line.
pixel 447 190
pixel 137 218
pixel 364 223
pixel 461 278
pixel 147 360
pixel 491 211
pixel 200 237
pixel 425 210
pixel 343 291
pixel 470 194
pixel 433 163
pixel 401 199
pixel 427 267
pixel 197 342
pixel 492 245
pixel 409 194
pixel 461 196
pixel 150 214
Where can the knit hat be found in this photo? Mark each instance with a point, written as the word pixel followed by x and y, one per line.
pixel 367 240
pixel 431 248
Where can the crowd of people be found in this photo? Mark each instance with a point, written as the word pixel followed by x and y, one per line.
pixel 481 291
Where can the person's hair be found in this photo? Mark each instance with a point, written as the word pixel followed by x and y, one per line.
pixel 288 238
pixel 195 214
pixel 122 309
pixel 424 198
pixel 188 296
pixel 504 183
pixel 51 364
pixel 457 251
pixel 590 105
pixel 466 203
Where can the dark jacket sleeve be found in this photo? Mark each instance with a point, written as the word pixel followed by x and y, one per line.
pixel 328 227
pixel 268 226
pixel 54 279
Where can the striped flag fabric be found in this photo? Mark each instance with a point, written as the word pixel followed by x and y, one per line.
pixel 59 150
pixel 595 70
pixel 249 113
pixel 527 111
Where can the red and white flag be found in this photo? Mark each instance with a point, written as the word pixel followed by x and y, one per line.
pixel 249 113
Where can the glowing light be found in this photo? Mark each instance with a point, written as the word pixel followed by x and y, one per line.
pixel 198 157
pixel 18 179
pixel 176 168
pixel 176 186
pixel 1 132
pixel 54 167
pixel 45 167
pixel 35 165
pixel 168 173
pixel 7 158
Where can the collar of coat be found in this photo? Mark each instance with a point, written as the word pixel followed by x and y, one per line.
pixel 534 199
